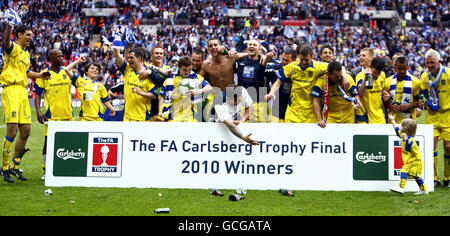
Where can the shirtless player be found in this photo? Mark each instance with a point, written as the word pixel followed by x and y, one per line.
pixel 220 70
pixel 219 67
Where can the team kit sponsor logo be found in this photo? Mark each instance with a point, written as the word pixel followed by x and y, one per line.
pixel 379 157
pixel 86 154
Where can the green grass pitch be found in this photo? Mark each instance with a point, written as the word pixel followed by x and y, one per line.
pixel 27 198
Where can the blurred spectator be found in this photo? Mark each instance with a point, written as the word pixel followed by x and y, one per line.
pixel 184 25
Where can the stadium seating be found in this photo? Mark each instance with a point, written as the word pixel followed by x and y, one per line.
pixel 180 26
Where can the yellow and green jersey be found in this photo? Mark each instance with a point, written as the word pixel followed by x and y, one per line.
pixel 57 97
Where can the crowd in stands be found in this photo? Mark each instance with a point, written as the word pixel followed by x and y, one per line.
pixel 63 25
pixel 274 10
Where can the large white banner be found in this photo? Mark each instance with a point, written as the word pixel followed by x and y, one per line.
pixel 206 155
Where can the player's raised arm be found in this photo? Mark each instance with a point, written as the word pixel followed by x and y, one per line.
pixel 71 66
pixel 205 90
pixel 7 37
pixel 118 57
pixel 392 118
pixel 13 20
pixel 117 46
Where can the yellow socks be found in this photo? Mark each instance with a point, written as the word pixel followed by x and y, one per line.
pixel 7 152
pixel 436 161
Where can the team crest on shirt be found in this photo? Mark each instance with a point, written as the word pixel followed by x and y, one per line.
pixel 310 73
pixel 444 82
pixel 249 72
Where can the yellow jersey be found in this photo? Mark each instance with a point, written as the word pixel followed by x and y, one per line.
pixel 300 107
pixel 411 155
pixel 400 89
pixel 182 107
pixel 443 88
pixel 93 94
pixel 57 97
pixel 339 109
pixel 137 107
pixel 372 102
pixel 15 67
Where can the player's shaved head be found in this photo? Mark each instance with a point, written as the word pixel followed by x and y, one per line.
pixel 53 52
pixel 56 57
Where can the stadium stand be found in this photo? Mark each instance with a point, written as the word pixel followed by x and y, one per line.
pixel 76 27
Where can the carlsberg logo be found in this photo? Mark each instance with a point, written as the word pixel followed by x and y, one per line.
pixel 366 157
pixel 69 154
